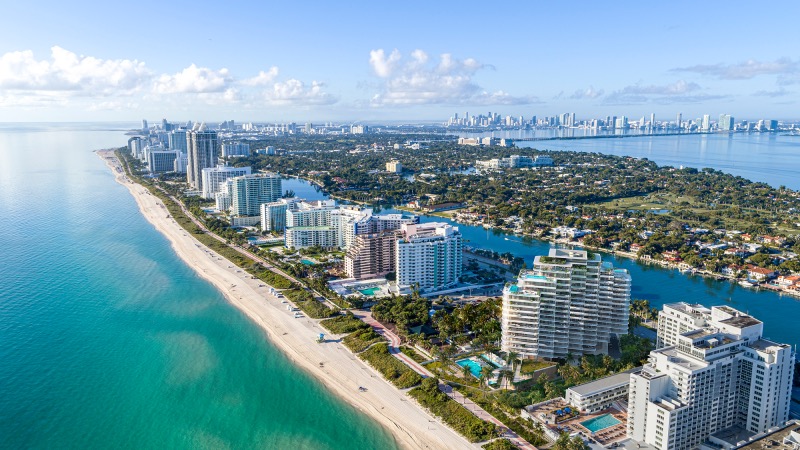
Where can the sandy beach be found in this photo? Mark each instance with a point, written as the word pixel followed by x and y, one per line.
pixel 331 363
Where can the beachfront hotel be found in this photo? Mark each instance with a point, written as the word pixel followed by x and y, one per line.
pixel 428 256
pixel 714 386
pixel 571 302
pixel 215 177
pixel 372 255
pixel 323 223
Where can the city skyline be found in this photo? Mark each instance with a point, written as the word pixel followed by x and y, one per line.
pixel 392 63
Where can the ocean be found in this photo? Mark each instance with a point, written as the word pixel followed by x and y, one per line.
pixel 108 340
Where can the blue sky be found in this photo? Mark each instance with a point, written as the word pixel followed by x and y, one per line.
pixel 370 61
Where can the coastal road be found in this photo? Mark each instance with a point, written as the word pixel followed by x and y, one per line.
pixel 474 408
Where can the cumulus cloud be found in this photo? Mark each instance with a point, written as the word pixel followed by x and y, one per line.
pixel 295 92
pixel 589 93
pixel 70 72
pixel 418 81
pixel 744 70
pixel 194 80
pixel 263 78
pixel 677 92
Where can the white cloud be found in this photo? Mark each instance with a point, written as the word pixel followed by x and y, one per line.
pixel 263 78
pixel 384 66
pixel 295 92
pixel 744 70
pixel 677 92
pixel 414 81
pixel 589 93
pixel 68 71
pixel 193 79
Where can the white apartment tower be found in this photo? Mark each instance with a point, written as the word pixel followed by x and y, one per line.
pixel 213 177
pixel 202 150
pixel 719 375
pixel 249 192
pixel 428 256
pixel 569 303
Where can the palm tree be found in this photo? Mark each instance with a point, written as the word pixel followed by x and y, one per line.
pixel 507 376
pixel 486 372
pixel 466 372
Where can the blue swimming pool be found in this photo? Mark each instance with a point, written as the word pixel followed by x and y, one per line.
pixel 307 262
pixel 474 367
pixel 600 423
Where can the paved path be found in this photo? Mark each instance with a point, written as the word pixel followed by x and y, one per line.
pixel 474 408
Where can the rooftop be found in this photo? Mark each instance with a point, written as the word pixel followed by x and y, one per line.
pixel 741 321
pixel 602 384
pixel 774 439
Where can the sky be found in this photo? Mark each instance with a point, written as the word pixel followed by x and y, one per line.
pixel 360 61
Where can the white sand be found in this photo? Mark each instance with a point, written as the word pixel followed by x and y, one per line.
pixel 340 371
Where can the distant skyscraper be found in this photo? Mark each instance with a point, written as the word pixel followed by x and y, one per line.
pixel 145 128
pixel 652 120
pixel 203 152
pixel 706 122
pixel 725 122
pixel 679 120
pixel 177 140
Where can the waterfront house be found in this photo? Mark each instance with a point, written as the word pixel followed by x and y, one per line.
pixel 760 273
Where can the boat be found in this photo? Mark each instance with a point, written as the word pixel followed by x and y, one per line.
pixel 748 284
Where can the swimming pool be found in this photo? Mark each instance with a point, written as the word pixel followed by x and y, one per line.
pixel 307 262
pixel 370 291
pixel 474 366
pixel 600 423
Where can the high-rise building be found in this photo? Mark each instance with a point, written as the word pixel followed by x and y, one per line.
pixel 213 177
pixel 720 375
pixel 570 302
pixel 235 149
pixel 177 140
pixel 706 124
pixel 145 128
pixel 249 192
pixel 372 255
pixel 161 160
pixel 202 150
pixel 181 161
pixel 679 121
pixel 273 214
pixel 429 256
pixel 726 122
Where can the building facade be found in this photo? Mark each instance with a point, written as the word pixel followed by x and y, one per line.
pixel 235 149
pixel 202 151
pixel 429 256
pixel 720 375
pixel 372 255
pixel 214 177
pixel 571 302
pixel 249 192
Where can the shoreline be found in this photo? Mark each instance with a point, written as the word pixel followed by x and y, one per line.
pixel 332 364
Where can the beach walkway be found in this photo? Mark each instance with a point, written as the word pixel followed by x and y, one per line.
pixel 474 408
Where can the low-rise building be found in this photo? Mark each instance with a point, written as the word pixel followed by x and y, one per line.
pixel 600 394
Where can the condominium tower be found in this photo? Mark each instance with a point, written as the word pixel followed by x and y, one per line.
pixel 202 149
pixel 429 256
pixel 721 378
pixel 249 192
pixel 571 302
pixel 213 177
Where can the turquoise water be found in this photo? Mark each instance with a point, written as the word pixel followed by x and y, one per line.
pixel 307 262
pixel 600 423
pixel 474 367
pixel 370 291
pixel 107 340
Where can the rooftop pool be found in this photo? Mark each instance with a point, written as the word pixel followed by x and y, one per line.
pixel 600 423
